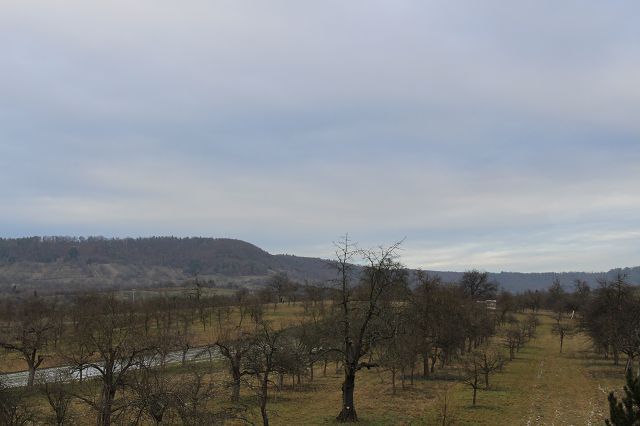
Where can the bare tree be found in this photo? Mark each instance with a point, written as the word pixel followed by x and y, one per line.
pixel 234 343
pixel 531 324
pixel 183 343
pixel 166 341
pixel 491 361
pixel 358 307
pixel 512 340
pixel 14 407
pixel 611 316
pixel 311 339
pixel 192 393
pixel 117 346
pixel 55 389
pixel 476 285
pixel 581 295
pixel 152 393
pixel 28 334
pixel 557 299
pixel 262 360
pixel 446 414
pixel 472 371
pixel 563 329
pixel 399 352
pixel 421 313
pixel 505 303
pixel 280 285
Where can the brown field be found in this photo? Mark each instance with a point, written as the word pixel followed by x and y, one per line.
pixel 540 387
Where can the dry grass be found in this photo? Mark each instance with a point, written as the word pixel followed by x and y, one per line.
pixel 283 316
pixel 540 387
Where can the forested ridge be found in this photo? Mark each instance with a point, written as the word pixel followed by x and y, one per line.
pixel 194 255
pixel 126 262
pixel 51 262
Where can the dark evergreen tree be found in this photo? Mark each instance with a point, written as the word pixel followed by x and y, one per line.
pixel 626 412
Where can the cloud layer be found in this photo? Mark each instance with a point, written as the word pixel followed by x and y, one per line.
pixel 496 135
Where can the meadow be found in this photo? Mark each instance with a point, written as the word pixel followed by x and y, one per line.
pixel 541 386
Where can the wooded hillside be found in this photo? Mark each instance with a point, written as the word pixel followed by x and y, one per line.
pixel 50 263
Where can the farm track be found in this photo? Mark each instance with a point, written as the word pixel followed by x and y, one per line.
pixel 19 379
pixel 559 388
pixel 542 386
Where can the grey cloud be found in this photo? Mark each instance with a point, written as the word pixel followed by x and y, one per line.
pixel 288 123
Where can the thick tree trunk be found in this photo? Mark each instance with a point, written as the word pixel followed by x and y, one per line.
pixel 104 417
pixel 32 376
pixel 628 365
pixel 235 385
pixel 156 415
pixel 475 390
pixel 393 380
pixel 425 365
pixel 263 401
pixel 348 412
pixel 33 362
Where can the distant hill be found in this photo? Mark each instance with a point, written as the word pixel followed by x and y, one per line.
pixel 75 263
pixel 54 263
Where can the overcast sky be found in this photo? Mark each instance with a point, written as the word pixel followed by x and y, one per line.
pixel 500 135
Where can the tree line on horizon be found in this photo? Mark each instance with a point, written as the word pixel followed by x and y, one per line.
pixel 187 257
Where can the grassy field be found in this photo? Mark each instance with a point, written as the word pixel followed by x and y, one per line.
pixel 544 387
pixel 540 387
pixel 283 316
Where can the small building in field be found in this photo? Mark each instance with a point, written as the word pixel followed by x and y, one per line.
pixel 489 304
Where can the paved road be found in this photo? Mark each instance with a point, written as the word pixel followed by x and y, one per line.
pixel 19 379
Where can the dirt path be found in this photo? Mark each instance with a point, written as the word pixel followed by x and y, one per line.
pixel 563 389
pixel 545 387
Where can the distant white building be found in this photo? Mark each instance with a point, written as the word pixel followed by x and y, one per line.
pixel 489 304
